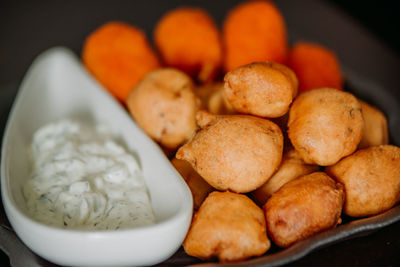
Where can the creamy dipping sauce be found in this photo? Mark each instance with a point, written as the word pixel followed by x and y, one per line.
pixel 82 179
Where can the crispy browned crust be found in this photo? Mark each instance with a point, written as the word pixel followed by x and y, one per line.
pixel 213 99
pixel 325 125
pixel 292 167
pixel 303 207
pixel 234 152
pixel 375 127
pixel 371 179
pixel 263 89
pixel 164 105
pixel 198 186
pixel 229 226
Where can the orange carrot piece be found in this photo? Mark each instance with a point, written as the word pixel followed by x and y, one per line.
pixel 118 55
pixel 187 38
pixel 254 31
pixel 315 66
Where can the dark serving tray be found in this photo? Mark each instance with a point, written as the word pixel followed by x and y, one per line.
pixel 371 71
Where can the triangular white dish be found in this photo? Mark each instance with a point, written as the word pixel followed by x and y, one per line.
pixel 56 87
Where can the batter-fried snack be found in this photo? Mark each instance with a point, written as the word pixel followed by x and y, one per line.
pixel 188 39
pixel 204 92
pixel 263 89
pixel 254 31
pixel 214 100
pixel 315 66
pixel 229 226
pixel 325 125
pixel 200 188
pixel 234 152
pixel 118 56
pixel 219 104
pixel 164 106
pixel 371 179
pixel 292 167
pixel 375 127
pixel 303 207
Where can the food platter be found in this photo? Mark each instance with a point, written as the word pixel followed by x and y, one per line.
pixel 378 87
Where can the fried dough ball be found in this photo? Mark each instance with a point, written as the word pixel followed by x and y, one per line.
pixel 371 179
pixel 118 55
pixel 229 226
pixel 234 152
pixel 204 92
pixel 188 39
pixel 219 104
pixel 292 167
pixel 315 66
pixel 325 125
pixel 214 100
pixel 375 127
pixel 254 31
pixel 303 207
pixel 164 106
pixel 263 89
pixel 199 188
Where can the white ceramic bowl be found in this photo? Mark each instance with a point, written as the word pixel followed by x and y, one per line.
pixel 55 87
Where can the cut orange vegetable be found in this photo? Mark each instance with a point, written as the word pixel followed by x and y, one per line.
pixel 118 55
pixel 188 39
pixel 315 66
pixel 254 31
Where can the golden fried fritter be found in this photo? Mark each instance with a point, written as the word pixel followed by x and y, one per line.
pixel 263 89
pixel 375 127
pixel 234 152
pixel 302 207
pixel 371 179
pixel 213 99
pixel 218 104
pixel 292 167
pixel 229 226
pixel 325 125
pixel 205 91
pixel 164 106
pixel 199 188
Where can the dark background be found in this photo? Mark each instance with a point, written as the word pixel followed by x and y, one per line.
pixel 380 17
pixel 24 23
pixel 18 49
